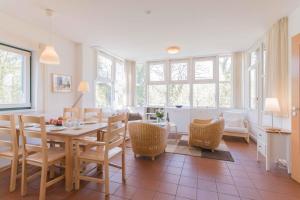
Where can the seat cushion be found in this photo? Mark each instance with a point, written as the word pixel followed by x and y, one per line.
pixel 235 129
pixel 9 153
pixel 97 153
pixel 53 155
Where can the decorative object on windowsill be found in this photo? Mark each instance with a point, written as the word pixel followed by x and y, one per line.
pixel 178 106
pixel 49 55
pixel 159 115
pixel 61 83
pixel 83 88
pixel 272 105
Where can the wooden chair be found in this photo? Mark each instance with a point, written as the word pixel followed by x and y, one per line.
pixel 43 156
pixel 71 113
pixel 10 146
pixel 102 152
pixel 92 115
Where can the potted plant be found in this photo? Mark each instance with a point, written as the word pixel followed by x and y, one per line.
pixel 159 115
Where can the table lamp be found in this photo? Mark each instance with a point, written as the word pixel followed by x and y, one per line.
pixel 272 105
pixel 83 88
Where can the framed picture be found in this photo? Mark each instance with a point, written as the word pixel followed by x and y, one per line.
pixel 62 83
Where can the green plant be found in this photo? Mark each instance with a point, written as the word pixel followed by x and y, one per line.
pixel 159 114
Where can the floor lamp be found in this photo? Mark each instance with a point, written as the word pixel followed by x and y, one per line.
pixel 82 88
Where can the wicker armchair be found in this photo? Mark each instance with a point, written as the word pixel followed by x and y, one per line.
pixel 147 139
pixel 208 135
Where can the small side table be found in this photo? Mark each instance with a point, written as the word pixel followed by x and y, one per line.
pixel 277 147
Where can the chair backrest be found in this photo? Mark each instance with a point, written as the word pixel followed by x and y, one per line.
pixel 33 128
pixel 92 114
pixel 116 131
pixel 8 130
pixel 71 113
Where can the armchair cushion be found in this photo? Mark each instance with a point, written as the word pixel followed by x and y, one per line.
pixel 235 129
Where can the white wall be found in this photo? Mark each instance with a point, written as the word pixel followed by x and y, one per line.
pixel 18 33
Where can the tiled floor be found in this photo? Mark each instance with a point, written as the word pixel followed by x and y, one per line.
pixel 181 177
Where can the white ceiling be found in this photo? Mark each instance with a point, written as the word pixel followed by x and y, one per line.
pixel 199 27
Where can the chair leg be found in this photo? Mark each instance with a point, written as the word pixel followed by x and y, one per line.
pixel 24 178
pixel 247 139
pixel 13 174
pixel 123 166
pixel 106 176
pixel 153 157
pixel 43 183
pixel 52 172
pixel 77 169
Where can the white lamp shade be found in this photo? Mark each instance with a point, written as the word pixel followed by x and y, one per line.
pixel 49 56
pixel 83 87
pixel 272 105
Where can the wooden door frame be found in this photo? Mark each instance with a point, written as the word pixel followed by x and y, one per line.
pixel 295 138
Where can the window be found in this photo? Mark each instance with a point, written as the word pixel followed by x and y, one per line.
pixel 179 71
pixel 111 82
pixel 157 72
pixel 225 81
pixel 253 79
pixel 120 85
pixel 140 84
pixel 204 70
pixel 104 67
pixel 179 94
pixel 177 82
pixel 253 92
pixel 204 95
pixel 157 95
pixel 15 88
pixel 103 95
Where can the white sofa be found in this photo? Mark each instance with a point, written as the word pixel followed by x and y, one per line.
pixel 236 124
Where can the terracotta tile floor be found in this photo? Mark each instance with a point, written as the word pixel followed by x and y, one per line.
pixel 173 176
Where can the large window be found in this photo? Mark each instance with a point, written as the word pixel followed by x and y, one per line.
pixel 225 81
pixel 253 93
pixel 197 82
pixel 111 82
pixel 15 88
pixel 140 84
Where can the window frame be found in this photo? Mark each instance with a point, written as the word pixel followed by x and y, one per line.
pixel 190 80
pixel 255 67
pixel 112 81
pixel 28 79
pixel 231 81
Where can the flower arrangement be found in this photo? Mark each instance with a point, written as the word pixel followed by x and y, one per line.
pixel 159 114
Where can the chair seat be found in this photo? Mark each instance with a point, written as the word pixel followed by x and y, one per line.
pixel 53 155
pixel 235 129
pixel 97 153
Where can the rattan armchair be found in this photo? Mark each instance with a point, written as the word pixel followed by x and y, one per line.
pixel 207 136
pixel 147 139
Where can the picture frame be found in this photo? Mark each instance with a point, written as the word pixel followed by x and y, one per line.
pixel 61 83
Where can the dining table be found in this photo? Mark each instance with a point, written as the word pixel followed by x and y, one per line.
pixel 67 135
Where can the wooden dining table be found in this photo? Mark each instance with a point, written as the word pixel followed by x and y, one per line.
pixel 67 136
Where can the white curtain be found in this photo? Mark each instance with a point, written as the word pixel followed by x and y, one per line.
pixel 238 61
pixel 277 64
pixel 130 81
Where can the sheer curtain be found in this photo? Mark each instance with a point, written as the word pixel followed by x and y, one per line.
pixel 277 64
pixel 238 61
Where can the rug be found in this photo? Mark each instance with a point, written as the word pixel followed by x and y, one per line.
pixel 179 145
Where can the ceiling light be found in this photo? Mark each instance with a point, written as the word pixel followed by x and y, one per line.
pixel 49 55
pixel 173 50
